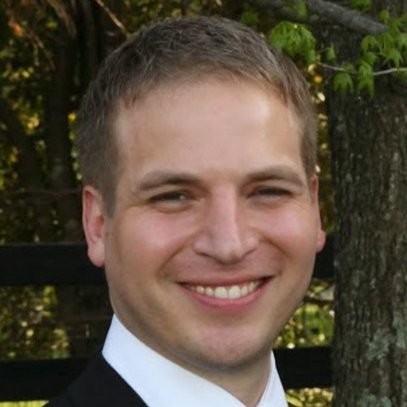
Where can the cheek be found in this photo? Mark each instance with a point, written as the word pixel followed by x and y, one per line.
pixel 294 232
pixel 146 242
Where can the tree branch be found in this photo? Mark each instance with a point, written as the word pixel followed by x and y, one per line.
pixel 317 301
pixel 42 192
pixel 334 13
pixel 112 16
pixel 61 10
pixel 281 8
pixel 388 71
pixel 345 16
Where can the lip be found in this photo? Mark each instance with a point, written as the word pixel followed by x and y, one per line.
pixel 227 304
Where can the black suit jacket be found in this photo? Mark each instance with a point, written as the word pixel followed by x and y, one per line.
pixel 99 386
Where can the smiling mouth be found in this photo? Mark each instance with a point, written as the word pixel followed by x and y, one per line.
pixel 232 292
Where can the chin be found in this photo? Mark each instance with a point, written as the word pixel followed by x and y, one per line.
pixel 230 355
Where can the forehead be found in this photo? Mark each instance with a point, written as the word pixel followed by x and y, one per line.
pixel 187 86
pixel 206 120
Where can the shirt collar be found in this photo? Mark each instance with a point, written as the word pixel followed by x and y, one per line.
pixel 172 385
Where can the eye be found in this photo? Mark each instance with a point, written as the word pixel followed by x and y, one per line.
pixel 270 195
pixel 173 196
pixel 272 192
pixel 171 200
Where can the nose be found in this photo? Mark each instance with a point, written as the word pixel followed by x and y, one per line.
pixel 225 233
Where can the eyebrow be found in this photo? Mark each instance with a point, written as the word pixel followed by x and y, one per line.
pixel 156 179
pixel 278 173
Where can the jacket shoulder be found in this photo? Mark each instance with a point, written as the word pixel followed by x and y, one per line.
pixel 100 386
pixel 60 401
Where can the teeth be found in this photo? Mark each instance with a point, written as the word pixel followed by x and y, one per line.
pixel 221 292
pixel 232 293
pixel 209 292
pixel 244 291
pixel 235 292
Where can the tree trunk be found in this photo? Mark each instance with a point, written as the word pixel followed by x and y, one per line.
pixel 61 176
pixel 29 170
pixel 84 310
pixel 369 155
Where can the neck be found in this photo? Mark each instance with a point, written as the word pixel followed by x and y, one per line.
pixel 246 384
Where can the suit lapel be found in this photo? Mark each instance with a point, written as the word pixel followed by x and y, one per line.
pixel 100 385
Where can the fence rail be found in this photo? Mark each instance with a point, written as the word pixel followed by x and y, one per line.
pixel 67 264
pixel 44 379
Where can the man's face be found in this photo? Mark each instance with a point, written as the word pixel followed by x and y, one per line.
pixel 212 242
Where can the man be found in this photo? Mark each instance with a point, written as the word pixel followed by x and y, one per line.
pixel 200 199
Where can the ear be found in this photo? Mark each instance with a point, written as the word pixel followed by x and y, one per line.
pixel 93 220
pixel 321 235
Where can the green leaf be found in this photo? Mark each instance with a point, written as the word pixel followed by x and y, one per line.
pixel 386 43
pixel 395 25
pixel 394 56
pixel 366 85
pixel 369 42
pixel 250 18
pixel 295 40
pixel 370 58
pixel 279 35
pixel 311 56
pixel 365 70
pixel 348 67
pixel 402 42
pixel 365 80
pixel 330 54
pixel 343 82
pixel 300 8
pixel 384 16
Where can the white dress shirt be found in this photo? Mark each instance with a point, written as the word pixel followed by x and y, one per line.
pixel 162 383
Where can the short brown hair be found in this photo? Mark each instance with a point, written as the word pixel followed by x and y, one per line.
pixel 186 48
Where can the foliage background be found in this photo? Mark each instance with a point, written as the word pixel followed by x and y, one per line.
pixel 51 50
